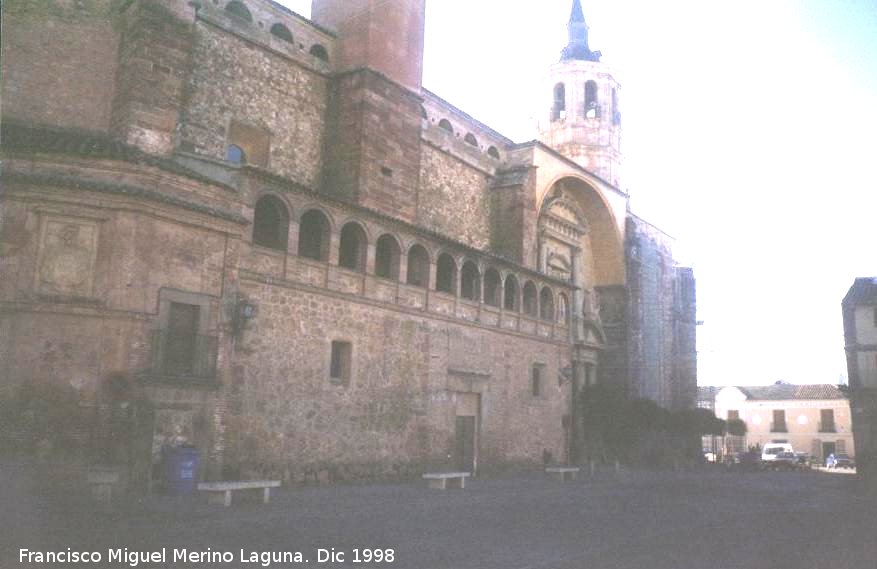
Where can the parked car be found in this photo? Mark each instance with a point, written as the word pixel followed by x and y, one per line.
pixel 770 451
pixel 843 461
pixel 746 461
pixel 783 461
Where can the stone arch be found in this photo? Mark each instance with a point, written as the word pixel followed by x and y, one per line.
pixel 319 52
pixel 418 266
pixel 546 304
pixel 563 309
pixel 388 254
pixel 314 229
pixel 445 124
pixel 493 153
pixel 239 10
pixel 511 292
pixel 603 237
pixel 558 106
pixel 530 300
pixel 446 274
pixel 470 139
pixel 271 223
pixel 353 246
pixel 492 287
pixel 280 31
pixel 592 101
pixel 470 281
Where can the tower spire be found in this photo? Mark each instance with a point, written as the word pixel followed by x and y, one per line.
pixel 578 37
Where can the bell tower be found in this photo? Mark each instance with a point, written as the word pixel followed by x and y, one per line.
pixel 584 121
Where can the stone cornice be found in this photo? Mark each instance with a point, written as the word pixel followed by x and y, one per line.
pixel 117 188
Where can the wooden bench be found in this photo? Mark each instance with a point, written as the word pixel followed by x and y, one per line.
pixel 563 473
pixel 220 492
pixel 439 480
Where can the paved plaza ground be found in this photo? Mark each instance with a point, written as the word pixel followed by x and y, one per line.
pixel 643 520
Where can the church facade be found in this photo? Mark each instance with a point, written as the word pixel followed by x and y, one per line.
pixel 307 263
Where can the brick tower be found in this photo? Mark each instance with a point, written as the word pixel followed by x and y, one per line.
pixel 584 122
pixel 373 151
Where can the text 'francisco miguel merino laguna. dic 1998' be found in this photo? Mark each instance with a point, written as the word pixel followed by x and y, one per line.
pixel 260 558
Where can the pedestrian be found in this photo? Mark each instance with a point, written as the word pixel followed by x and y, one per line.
pixel 831 461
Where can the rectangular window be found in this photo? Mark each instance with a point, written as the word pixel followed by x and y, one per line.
pixel 536 378
pixel 339 367
pixel 826 421
pixel 182 338
pixel 779 421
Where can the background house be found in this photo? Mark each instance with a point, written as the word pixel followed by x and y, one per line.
pixel 812 418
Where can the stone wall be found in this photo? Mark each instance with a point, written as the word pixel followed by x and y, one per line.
pixel 373 153
pixel 59 62
pixel 661 353
pixel 454 198
pixel 396 414
pixel 233 80
pixel 154 62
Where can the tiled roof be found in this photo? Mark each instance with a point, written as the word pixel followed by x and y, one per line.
pixel 863 291
pixel 707 392
pixel 785 391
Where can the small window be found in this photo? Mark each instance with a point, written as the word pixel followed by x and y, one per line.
pixel 181 339
pixel 779 421
pixel 236 155
pixel 536 379
pixel 339 367
pixel 320 52
pixel 493 152
pixel 248 144
pixel 445 124
pixel 239 10
pixel 826 421
pixel 282 32
pixel 470 139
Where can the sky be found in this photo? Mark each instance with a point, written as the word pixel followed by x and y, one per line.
pixel 749 132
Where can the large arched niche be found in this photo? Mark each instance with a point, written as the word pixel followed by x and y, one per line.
pixel 573 213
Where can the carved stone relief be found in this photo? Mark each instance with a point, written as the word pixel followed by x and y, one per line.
pixel 68 248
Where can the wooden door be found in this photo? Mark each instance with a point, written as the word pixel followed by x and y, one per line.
pixel 465 445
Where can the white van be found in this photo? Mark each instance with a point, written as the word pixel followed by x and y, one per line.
pixel 771 450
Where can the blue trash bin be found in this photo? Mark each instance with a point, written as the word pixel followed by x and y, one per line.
pixel 181 472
